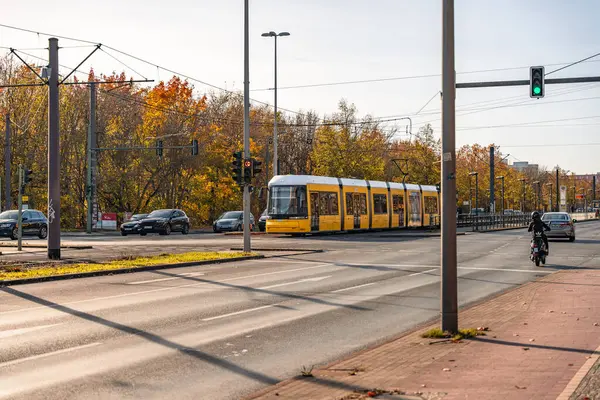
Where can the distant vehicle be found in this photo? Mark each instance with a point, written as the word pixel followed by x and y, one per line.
pixel 164 222
pixel 561 224
pixel 34 224
pixel 231 221
pixel 509 212
pixel 133 225
pixel 262 221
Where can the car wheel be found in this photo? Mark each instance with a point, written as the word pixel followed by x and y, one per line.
pixel 572 239
pixel 43 234
pixel 186 229
pixel 167 230
pixel 14 235
pixel 143 233
pixel 123 233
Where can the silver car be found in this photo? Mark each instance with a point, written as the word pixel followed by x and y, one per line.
pixel 561 225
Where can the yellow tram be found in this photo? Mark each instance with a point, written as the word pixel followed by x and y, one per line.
pixel 300 204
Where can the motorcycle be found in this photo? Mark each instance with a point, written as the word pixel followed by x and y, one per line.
pixel 538 249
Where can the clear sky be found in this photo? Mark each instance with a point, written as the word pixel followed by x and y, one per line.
pixel 335 41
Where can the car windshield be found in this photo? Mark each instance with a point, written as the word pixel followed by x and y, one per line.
pixel 137 217
pixel 288 200
pixel 555 217
pixel 160 214
pixel 8 215
pixel 231 215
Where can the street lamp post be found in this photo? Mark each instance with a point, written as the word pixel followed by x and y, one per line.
pixel 523 189
pixel 551 205
pixel 501 177
pixel 537 195
pixel 476 175
pixel 275 157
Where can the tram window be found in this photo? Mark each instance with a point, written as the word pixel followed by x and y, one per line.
pixel 349 204
pixel 431 205
pixel 363 204
pixel 328 203
pixel 379 204
pixel 398 204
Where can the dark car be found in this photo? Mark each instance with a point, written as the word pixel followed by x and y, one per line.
pixel 164 222
pixel 133 225
pixel 34 224
pixel 262 221
pixel 231 221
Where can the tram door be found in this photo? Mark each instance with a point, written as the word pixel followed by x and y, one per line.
pixel 356 210
pixel 314 212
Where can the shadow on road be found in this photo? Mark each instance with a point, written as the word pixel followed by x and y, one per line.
pixel 531 345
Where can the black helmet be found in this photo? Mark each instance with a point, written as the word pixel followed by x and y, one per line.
pixel 535 215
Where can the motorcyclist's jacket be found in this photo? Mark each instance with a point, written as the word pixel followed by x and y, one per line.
pixel 538 226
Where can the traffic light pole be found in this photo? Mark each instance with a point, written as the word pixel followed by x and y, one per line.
pixel 246 198
pixel 7 157
pixel 91 160
pixel 53 155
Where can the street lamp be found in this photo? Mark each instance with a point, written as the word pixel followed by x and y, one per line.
pixel 551 206
pixel 476 174
pixel 275 158
pixel 523 181
pixel 501 177
pixel 537 195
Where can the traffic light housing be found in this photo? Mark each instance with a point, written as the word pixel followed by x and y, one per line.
pixel 27 176
pixel 536 82
pixel 256 167
pixel 159 148
pixel 194 147
pixel 237 167
pixel 248 171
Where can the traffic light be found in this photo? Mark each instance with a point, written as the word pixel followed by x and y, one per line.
pixel 159 148
pixel 248 171
pixel 256 169
pixel 536 82
pixel 194 147
pixel 237 167
pixel 27 176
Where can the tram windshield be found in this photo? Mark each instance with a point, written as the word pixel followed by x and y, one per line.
pixel 287 201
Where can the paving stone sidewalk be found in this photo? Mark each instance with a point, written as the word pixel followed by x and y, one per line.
pixel 543 339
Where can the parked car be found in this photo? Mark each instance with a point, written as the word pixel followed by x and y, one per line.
pixel 231 221
pixel 34 224
pixel 262 221
pixel 561 225
pixel 133 225
pixel 164 222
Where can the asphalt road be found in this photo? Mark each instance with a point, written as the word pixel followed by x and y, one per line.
pixel 224 331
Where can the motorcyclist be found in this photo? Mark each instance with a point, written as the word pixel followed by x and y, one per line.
pixel 537 225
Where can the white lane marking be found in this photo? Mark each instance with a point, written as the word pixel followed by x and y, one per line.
pixel 372 283
pixel 533 271
pixel 162 289
pixel 20 331
pixel 353 287
pixel 166 279
pixel 388 265
pixel 237 313
pixel 316 279
pixel 53 353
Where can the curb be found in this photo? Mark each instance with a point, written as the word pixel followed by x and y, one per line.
pixel 418 235
pixel 24 281
pixel 41 246
pixel 419 327
pixel 241 233
pixel 282 249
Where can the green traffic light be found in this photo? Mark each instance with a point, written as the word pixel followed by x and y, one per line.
pixel 537 90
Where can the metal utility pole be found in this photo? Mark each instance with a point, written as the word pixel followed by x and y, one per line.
pixel 557 208
pixel 537 196
pixel 594 187
pixel 492 180
pixel 476 174
pixel 449 291
pixel 502 179
pixel 7 158
pixel 523 190
pixel 53 155
pixel 275 156
pixel 246 198
pixel 551 205
pixel 91 159
pixel 20 211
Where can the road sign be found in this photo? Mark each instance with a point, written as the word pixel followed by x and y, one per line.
pixel 25 199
